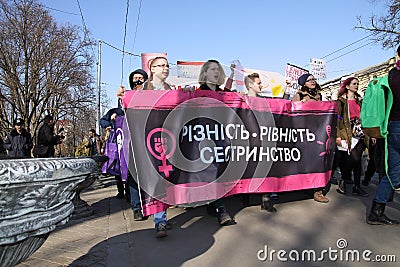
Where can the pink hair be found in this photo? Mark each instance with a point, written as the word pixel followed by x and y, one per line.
pixel 343 89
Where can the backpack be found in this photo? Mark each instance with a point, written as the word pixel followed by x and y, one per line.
pixel 375 109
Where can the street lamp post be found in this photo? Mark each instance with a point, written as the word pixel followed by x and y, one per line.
pixel 98 87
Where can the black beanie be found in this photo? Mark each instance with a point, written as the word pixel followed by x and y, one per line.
pixel 138 71
pixel 303 78
pixel 19 121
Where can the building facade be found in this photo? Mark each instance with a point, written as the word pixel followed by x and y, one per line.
pixel 330 88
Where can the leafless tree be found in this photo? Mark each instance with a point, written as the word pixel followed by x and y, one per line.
pixel 44 68
pixel 386 28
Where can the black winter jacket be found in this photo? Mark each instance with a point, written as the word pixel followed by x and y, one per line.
pixel 19 145
pixel 47 138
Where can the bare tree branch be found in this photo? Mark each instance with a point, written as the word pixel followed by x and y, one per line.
pixel 44 67
pixel 387 27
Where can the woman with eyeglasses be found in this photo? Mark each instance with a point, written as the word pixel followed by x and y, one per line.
pixel 350 139
pixel 159 71
pixel 310 92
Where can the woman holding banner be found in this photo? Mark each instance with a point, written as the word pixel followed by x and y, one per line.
pixel 309 89
pixel 211 77
pixel 309 92
pixel 159 72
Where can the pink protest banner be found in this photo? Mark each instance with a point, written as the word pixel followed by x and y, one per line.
pixel 195 147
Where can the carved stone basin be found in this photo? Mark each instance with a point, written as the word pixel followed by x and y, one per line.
pixel 35 196
pixel 82 209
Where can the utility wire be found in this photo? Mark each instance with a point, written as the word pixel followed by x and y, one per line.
pixel 347 45
pixel 60 10
pixel 123 46
pixel 120 50
pixel 137 25
pixel 83 19
pixel 85 30
pixel 136 28
pixel 351 51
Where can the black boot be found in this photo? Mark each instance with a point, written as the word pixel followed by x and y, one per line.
pixel 223 216
pixel 267 204
pixel 358 191
pixel 376 216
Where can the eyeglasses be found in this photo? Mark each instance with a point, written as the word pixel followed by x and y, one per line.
pixel 162 66
pixel 312 79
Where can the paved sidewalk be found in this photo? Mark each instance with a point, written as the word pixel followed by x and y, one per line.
pixel 110 237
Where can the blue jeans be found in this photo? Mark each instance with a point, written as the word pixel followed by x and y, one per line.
pixel 385 189
pixel 160 217
pixel 134 190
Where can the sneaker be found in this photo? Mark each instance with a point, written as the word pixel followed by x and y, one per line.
pixel 341 187
pixel 161 230
pixel 137 215
pixel 358 191
pixel 223 217
pixel 319 197
pixel 119 196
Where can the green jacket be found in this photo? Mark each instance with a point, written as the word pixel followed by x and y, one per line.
pixel 376 108
pixel 376 111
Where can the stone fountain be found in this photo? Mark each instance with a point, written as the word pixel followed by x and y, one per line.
pixel 36 195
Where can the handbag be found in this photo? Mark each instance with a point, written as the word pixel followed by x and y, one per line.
pixel 356 128
pixel 40 151
pixel 112 166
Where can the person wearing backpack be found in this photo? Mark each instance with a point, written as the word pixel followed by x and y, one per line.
pixel 391 180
